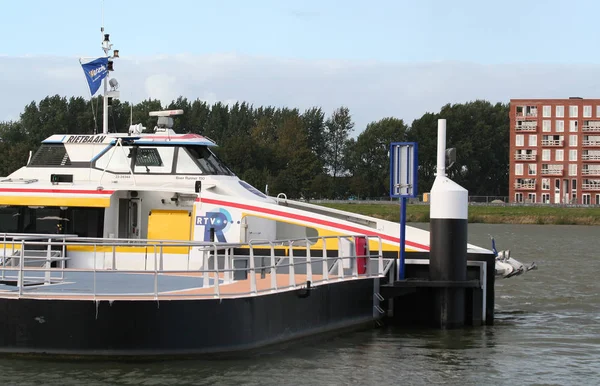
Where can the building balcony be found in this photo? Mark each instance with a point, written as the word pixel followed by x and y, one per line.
pixel 590 128
pixel 590 172
pixel 553 142
pixel 525 185
pixel 525 157
pixel 553 172
pixel 591 185
pixel 591 142
pixel 590 157
pixel 530 115
pixel 528 127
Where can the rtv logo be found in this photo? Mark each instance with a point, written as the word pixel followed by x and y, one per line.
pixel 218 222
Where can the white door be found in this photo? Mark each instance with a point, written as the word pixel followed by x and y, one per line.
pixel 557 191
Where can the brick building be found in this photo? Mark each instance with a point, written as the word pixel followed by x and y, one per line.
pixel 555 151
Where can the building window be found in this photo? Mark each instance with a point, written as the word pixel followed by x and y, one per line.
pixel 545 198
pixel 520 139
pixel 587 111
pixel 573 140
pixel 573 125
pixel 532 168
pixel 560 111
pixel 545 154
pixel 547 111
pixel 573 111
pixel 597 199
pixel 545 183
pixel 533 140
pixel 560 125
pixel 586 199
pixel 559 155
pixel 597 111
pixel 531 197
pixel 573 171
pixel 519 169
pixel 518 197
pixel 573 155
pixel 546 125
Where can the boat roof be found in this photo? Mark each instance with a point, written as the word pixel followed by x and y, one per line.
pixel 159 138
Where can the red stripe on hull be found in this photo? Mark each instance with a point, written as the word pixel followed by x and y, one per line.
pixel 332 224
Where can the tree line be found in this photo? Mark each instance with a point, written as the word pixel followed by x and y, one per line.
pixel 307 154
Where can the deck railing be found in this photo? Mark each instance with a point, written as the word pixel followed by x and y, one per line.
pixel 38 265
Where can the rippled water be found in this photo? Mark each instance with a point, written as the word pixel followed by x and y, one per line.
pixel 547 332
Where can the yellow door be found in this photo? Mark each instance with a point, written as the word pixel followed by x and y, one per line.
pixel 170 225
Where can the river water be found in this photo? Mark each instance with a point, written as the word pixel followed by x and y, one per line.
pixel 546 332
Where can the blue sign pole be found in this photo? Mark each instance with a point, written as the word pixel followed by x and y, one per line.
pixel 403 184
pixel 402 237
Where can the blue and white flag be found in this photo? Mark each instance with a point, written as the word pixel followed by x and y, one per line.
pixel 95 71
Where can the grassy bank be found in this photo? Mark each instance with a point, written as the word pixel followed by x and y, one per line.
pixel 482 214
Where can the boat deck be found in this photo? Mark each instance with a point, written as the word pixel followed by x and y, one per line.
pixel 112 285
pixel 215 272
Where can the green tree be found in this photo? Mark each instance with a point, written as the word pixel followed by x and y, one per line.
pixel 368 159
pixel 337 130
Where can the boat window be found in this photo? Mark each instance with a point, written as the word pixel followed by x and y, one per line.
pixel 148 157
pixel 84 222
pixel 153 159
pixel 49 220
pixel 9 220
pixel 116 160
pixel 54 154
pixel 185 163
pixel 208 161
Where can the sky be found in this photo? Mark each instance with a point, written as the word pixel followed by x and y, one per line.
pixel 379 57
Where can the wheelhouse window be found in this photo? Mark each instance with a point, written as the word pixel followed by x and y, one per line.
pixel 207 161
pixel 51 154
pixel 153 159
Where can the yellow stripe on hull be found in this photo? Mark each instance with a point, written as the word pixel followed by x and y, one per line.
pixel 99 202
pixel 137 249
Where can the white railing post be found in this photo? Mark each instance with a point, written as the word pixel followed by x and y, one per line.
pixel 63 256
pixel 380 258
pixel 155 273
pixel 48 263
pixel 114 257
pixel 227 277
pixel 94 285
pixel 354 258
pixel 308 262
pixel 21 264
pixel 205 265
pixel 325 261
pixel 291 267
pixel 4 256
pixel 252 270
pixel 340 261
pixel 161 258
pixel 216 272
pixel 273 268
pixel 368 256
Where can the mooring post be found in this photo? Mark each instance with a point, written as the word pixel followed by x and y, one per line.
pixel 448 241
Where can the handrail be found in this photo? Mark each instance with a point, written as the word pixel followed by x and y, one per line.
pixel 300 261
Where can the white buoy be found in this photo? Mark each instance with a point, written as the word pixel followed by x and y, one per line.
pixel 448 240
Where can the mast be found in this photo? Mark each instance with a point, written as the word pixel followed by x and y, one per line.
pixel 114 85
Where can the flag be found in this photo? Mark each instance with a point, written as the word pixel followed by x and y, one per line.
pixel 95 71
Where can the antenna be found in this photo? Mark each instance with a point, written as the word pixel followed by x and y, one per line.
pixel 113 93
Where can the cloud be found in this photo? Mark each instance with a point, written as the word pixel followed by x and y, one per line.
pixel 371 90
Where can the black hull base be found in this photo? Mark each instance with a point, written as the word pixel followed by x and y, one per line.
pixel 142 328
